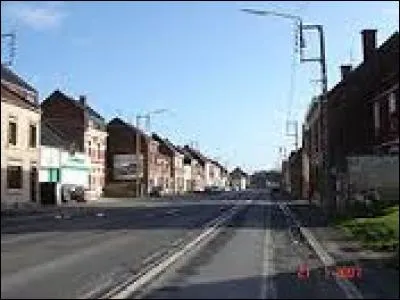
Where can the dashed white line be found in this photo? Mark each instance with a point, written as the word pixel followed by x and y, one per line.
pixel 268 289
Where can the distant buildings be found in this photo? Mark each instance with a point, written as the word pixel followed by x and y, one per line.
pixel 62 150
pixel 238 179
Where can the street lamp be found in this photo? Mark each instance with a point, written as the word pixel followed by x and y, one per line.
pixel 297 19
pixel 148 116
pixel 323 99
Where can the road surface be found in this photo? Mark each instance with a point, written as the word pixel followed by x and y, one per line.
pixel 256 257
pixel 247 248
pixel 70 258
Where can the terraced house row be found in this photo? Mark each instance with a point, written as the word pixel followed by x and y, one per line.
pixel 61 149
pixel 362 132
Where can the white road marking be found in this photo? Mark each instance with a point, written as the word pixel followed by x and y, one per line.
pixel 150 275
pixel 268 289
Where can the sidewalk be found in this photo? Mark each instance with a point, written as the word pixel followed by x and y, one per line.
pixel 32 211
pixel 35 212
pixel 379 276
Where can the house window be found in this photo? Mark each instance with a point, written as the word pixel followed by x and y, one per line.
pixel 12 132
pixel 90 181
pixel 14 177
pixel 32 136
pixel 98 151
pixel 376 117
pixel 392 103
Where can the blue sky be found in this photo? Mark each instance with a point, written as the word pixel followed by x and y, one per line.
pixel 224 75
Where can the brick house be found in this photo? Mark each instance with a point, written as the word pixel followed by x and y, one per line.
pixel 199 162
pixel 220 174
pixel 188 167
pixel 363 109
pixel 121 159
pixel 238 179
pixel 362 113
pixel 295 170
pixel 311 154
pixel 169 164
pixel 20 132
pixel 85 130
pixel 177 164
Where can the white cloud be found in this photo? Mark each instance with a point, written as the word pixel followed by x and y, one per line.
pixel 39 15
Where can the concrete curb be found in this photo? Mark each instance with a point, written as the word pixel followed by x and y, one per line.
pixel 347 286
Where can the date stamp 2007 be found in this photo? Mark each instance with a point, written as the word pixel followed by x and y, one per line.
pixel 344 272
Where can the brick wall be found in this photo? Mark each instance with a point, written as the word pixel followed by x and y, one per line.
pixel 65 116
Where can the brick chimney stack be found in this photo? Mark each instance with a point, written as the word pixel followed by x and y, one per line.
pixel 345 70
pixel 368 43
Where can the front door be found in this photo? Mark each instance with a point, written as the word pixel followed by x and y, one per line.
pixel 33 183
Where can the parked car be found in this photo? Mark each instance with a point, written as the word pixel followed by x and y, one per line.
pixel 78 193
pixel 71 192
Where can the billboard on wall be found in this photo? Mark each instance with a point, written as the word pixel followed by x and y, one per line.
pixel 125 166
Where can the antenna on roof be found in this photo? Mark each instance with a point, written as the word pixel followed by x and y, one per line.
pixel 351 56
pixel 12 44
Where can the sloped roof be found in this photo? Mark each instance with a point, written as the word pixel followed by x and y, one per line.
pixel 187 156
pixel 196 154
pixel 89 110
pixel 238 172
pixel 391 45
pixel 118 121
pixel 8 75
pixel 11 93
pixel 219 165
pixel 165 142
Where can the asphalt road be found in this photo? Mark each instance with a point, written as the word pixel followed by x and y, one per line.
pixel 257 256
pixel 71 258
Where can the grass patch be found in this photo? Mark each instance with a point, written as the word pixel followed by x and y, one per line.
pixel 379 232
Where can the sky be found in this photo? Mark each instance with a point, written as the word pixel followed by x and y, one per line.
pixel 229 80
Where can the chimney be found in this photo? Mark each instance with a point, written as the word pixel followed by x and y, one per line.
pixel 345 70
pixel 82 100
pixel 368 42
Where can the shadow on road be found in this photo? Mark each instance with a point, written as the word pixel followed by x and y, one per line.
pixel 117 218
